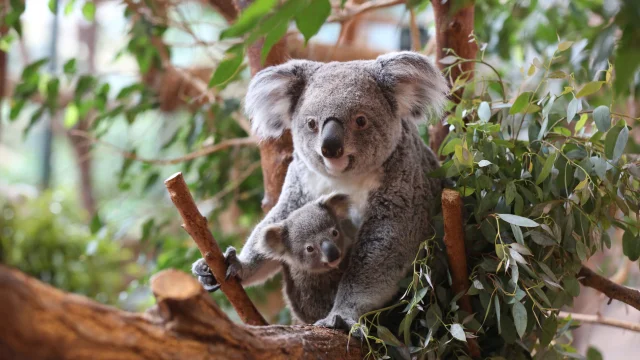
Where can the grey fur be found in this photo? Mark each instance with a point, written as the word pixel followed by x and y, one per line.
pixel 386 164
pixel 310 286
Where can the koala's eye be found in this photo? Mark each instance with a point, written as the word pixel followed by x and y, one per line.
pixel 310 248
pixel 334 233
pixel 312 124
pixel 360 122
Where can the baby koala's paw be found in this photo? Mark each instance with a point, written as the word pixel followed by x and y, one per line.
pixel 201 270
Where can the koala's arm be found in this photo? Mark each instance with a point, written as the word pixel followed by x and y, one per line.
pixel 253 265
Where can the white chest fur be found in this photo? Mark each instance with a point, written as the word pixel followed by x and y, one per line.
pixel 357 187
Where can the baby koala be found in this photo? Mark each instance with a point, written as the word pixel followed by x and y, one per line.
pixel 313 246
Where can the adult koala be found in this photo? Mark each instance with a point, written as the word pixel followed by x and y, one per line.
pixel 354 131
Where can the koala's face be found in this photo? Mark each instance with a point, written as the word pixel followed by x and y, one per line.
pixel 346 117
pixel 311 238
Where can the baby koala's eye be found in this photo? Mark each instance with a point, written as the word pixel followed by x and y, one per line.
pixel 309 248
pixel 334 233
pixel 312 124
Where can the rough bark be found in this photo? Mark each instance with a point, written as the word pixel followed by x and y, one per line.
pixel 196 225
pixel 40 322
pixel 276 154
pixel 614 291
pixel 452 32
pixel 456 254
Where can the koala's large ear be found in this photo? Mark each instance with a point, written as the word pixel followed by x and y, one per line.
pixel 273 95
pixel 337 203
pixel 412 84
pixel 272 241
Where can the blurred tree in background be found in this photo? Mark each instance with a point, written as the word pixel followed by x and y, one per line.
pixel 103 100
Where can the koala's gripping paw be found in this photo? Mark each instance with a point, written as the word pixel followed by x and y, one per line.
pixel 339 322
pixel 233 264
pixel 205 277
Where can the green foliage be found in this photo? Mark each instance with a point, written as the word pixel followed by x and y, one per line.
pixel 537 209
pixel 44 237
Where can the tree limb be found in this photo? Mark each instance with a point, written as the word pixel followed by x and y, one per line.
pixel 342 15
pixel 452 32
pixel 196 225
pixel 40 322
pixel 456 254
pixel 600 320
pixel 207 150
pixel 628 296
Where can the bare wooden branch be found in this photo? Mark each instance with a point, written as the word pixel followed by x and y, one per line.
pixel 628 296
pixel 42 323
pixel 207 150
pixel 196 225
pixel 600 320
pixel 456 254
pixel 342 15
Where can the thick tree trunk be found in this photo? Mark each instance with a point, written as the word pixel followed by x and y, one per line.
pixel 276 154
pixel 40 322
pixel 452 32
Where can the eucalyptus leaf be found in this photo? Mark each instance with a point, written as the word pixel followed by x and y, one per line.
pixel 518 220
pixel 602 118
pixel 457 332
pixel 519 318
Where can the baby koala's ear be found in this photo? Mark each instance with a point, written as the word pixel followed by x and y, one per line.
pixel 272 240
pixel 337 203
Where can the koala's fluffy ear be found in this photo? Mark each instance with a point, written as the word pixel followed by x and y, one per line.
pixel 273 95
pixel 337 203
pixel 415 87
pixel 272 241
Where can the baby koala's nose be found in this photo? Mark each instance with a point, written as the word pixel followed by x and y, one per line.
pixel 331 252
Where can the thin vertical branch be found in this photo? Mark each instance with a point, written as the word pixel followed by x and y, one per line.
pixel 196 225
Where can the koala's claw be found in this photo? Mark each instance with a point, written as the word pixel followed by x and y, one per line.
pixel 335 321
pixel 233 264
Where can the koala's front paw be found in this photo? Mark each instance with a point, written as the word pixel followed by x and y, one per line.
pixel 205 277
pixel 233 264
pixel 340 322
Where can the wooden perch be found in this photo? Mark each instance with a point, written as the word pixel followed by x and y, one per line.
pixel 196 225
pixel 40 322
pixel 600 320
pixel 614 291
pixel 456 254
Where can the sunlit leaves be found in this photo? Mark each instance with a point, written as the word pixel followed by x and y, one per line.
pixel 457 332
pixel 590 88
pixel 89 11
pixel 484 111
pixel 572 109
pixel 312 17
pixel 521 103
pixel 565 45
pixel 228 67
pixel 248 18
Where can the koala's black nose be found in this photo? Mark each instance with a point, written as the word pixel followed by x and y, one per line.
pixel 332 139
pixel 330 250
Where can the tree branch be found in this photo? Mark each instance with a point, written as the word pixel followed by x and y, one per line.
pixel 207 150
pixel 196 225
pixel 628 296
pixel 342 15
pixel 456 254
pixel 600 320
pixel 452 32
pixel 41 323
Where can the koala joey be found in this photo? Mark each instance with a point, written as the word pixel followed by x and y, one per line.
pixel 354 130
pixel 311 244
